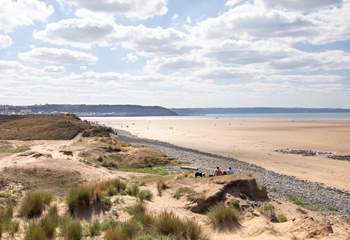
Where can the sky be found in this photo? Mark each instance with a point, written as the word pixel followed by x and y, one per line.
pixel 176 53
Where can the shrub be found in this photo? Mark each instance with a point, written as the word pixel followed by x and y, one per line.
pixel 115 234
pixel 5 216
pixel 152 237
pixel 235 203
pixel 132 190
pixel 79 198
pixel 168 224
pixel 188 192
pixel 145 195
pixel 222 217
pixel 95 229
pixel 49 222
pixel 93 195
pixel 71 229
pixel 108 224
pixel 139 214
pixel 34 203
pixel 34 232
pixel 161 186
pixel 193 231
pixel 13 228
pixel 268 210
pixel 130 229
pixel 281 218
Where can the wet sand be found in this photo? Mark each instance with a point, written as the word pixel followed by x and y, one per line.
pixel 255 141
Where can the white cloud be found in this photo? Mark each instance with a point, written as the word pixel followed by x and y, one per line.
pixel 57 56
pixel 303 6
pixel 266 19
pixel 18 13
pixel 5 41
pixel 132 9
pixel 76 32
pixel 54 69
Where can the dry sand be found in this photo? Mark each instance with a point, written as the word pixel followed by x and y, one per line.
pixel 255 141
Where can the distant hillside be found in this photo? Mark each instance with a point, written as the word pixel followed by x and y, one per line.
pixel 47 127
pixel 89 110
pixel 262 110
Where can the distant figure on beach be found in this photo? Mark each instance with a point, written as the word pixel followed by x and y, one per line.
pixel 217 172
pixel 229 171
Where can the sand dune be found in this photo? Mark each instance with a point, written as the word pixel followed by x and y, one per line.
pixel 255 141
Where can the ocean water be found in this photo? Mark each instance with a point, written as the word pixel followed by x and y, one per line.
pixel 282 116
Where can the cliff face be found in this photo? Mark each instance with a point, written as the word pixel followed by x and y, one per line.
pixel 90 110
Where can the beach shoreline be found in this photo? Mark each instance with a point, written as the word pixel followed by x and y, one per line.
pixel 256 141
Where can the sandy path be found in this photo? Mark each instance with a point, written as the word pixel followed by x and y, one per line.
pixel 255 141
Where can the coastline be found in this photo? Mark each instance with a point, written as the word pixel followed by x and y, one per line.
pixel 322 198
pixel 256 142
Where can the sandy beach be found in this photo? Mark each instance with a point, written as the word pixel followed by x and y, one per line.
pixel 255 141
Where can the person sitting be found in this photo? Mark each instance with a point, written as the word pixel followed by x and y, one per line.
pixel 217 172
pixel 229 171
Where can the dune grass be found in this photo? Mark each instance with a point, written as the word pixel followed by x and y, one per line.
pixel 93 195
pixel 34 232
pixel 71 229
pixel 145 195
pixel 223 217
pixel 281 218
pixel 34 203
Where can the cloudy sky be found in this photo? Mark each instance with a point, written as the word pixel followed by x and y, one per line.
pixel 176 53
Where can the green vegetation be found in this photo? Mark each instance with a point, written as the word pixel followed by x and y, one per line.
pixel 49 223
pixel 223 217
pixel 86 197
pixel 12 149
pixel 132 190
pixel 95 229
pixel 145 195
pixel 71 229
pixel 281 218
pixel 161 186
pixel 168 224
pixel 34 203
pixel 300 202
pixel 268 210
pixel 47 127
pixel 188 192
pixel 34 232
pixel 148 170
pixel 235 203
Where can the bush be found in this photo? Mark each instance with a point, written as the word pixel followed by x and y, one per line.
pixel 186 191
pixel 13 228
pixel 139 214
pixel 161 186
pixel 108 224
pixel 115 234
pixel 235 203
pixel 95 229
pixel 132 190
pixel 222 217
pixel 49 222
pixel 145 195
pixel 93 195
pixel 268 210
pixel 80 197
pixel 168 224
pixel 130 229
pixel 34 203
pixel 34 232
pixel 281 218
pixel 72 229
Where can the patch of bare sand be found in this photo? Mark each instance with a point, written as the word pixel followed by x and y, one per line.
pixel 255 141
